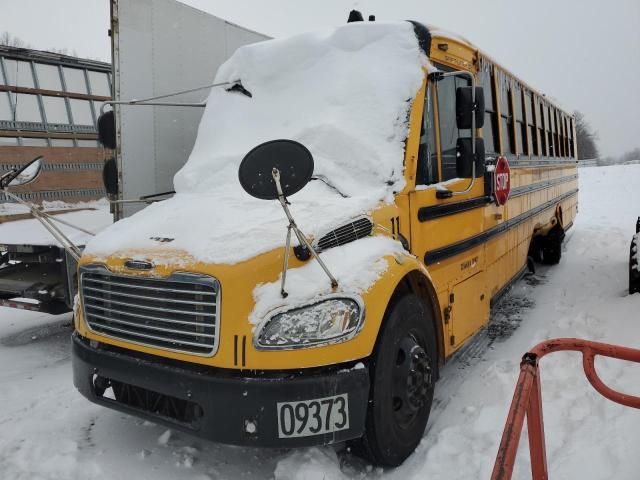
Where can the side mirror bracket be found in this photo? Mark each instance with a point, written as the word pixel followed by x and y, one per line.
pixel 469 115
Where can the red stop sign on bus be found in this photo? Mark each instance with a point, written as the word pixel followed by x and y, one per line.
pixel 501 181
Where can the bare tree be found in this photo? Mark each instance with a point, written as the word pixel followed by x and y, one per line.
pixel 63 51
pixel 586 138
pixel 11 41
pixel 631 156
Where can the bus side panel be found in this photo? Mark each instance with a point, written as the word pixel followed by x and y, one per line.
pixel 506 255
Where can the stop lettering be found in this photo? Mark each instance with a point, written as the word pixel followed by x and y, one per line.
pixel 501 181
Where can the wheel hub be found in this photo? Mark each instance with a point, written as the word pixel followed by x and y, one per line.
pixel 412 380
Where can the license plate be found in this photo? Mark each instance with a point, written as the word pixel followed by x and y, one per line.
pixel 313 417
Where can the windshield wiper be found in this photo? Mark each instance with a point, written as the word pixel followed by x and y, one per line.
pixel 326 181
pixel 238 87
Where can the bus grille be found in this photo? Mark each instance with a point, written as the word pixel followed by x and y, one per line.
pixel 178 313
pixel 359 228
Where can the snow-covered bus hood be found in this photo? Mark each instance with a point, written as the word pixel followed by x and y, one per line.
pixel 223 228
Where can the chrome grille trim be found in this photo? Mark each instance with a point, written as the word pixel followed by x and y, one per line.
pixel 144 297
pixel 179 313
pixel 144 287
pixel 358 228
pixel 150 317
pixel 158 329
pixel 120 330
pixel 146 307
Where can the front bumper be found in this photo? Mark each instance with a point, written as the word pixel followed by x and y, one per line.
pixel 217 404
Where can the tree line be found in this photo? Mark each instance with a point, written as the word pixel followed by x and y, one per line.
pixel 9 40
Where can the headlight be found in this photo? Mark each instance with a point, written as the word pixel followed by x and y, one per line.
pixel 328 321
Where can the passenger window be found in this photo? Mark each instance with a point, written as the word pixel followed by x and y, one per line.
pixel 490 128
pixel 506 118
pixel 531 115
pixel 449 132
pixel 541 130
pixel 427 155
pixel 521 132
pixel 551 124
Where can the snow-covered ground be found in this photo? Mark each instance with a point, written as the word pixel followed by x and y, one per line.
pixel 92 216
pixel 48 431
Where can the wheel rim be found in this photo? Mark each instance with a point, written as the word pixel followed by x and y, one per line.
pixel 412 380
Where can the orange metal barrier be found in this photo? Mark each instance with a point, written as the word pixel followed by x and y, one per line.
pixel 527 401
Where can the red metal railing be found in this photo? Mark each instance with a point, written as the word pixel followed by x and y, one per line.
pixel 527 401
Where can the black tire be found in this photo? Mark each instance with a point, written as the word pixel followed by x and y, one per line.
pixel 535 250
pixel 403 370
pixel 551 245
pixel 634 273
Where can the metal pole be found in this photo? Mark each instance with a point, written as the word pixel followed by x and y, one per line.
pixel 67 244
pixel 64 222
pixel 285 265
pixel 505 460
pixel 535 426
pixel 149 100
pixel 275 173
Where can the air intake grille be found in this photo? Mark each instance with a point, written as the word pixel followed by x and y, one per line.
pixel 179 313
pixel 359 228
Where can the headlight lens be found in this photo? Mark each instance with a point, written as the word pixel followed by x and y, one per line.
pixel 328 321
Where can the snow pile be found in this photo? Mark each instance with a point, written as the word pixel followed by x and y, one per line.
pixel 356 266
pixel 10 208
pixel 344 93
pixel 31 232
pixel 310 464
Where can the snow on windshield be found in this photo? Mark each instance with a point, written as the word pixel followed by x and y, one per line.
pixel 344 93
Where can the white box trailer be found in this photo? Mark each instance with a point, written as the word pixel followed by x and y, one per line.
pixel 158 47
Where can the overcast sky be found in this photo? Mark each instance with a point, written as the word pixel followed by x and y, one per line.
pixel 583 53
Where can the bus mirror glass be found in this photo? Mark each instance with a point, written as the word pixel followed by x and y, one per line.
pixel 23 176
pixel 465 107
pixel 465 158
pixel 110 176
pixel 107 130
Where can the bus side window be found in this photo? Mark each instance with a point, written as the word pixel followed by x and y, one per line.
pixel 490 128
pixel 449 132
pixel 427 156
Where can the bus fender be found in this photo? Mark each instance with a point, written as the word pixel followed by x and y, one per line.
pixel 410 276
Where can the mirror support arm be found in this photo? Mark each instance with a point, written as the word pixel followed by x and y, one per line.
pixel 439 76
pixel 275 173
pixel 150 101
pixel 46 220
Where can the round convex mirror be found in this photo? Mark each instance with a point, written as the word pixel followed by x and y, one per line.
pixel 293 160
pixel 28 173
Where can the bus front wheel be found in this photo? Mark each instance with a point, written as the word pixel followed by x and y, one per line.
pixel 403 373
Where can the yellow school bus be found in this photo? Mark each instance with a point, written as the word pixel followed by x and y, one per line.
pixel 486 184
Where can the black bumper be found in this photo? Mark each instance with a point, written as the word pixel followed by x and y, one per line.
pixel 216 404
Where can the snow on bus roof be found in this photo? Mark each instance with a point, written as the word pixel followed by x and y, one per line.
pixel 345 93
pixel 440 32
